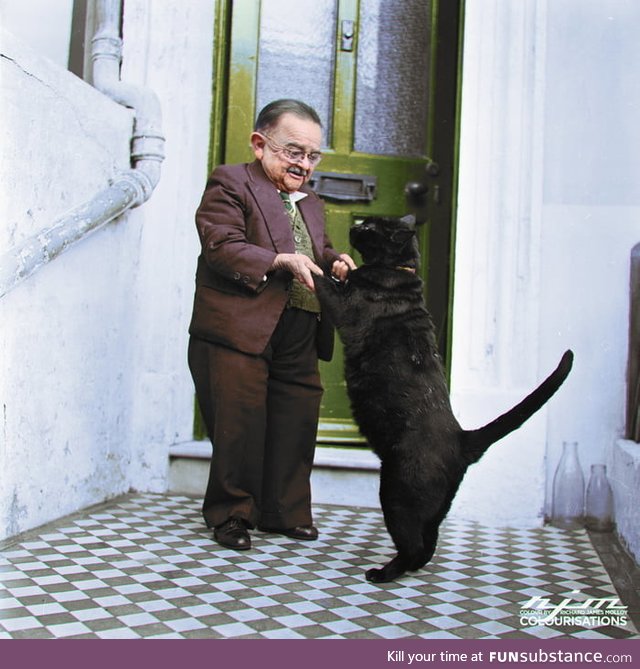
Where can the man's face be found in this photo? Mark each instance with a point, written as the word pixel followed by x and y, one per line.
pixel 293 133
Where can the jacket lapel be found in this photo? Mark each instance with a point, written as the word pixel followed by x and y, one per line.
pixel 275 217
pixel 270 204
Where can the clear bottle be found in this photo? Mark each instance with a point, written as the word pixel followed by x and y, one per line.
pixel 599 501
pixel 568 490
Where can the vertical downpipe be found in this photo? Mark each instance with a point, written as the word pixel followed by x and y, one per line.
pixel 147 142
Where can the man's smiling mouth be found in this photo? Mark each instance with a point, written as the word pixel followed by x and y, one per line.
pixel 297 171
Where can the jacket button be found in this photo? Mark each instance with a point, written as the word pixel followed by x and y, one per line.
pixel 236 276
pixel 245 279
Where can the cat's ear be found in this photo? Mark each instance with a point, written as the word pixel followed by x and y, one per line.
pixel 409 219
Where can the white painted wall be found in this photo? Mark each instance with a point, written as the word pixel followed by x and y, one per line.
pixel 548 214
pixel 591 222
pixel 168 46
pixel 94 384
pixel 495 348
pixel 64 339
pixel 43 25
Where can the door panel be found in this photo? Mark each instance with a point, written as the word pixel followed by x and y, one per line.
pixel 366 66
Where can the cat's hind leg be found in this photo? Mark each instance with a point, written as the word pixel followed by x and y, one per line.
pixel 430 541
pixel 392 570
pixel 411 559
pixel 406 529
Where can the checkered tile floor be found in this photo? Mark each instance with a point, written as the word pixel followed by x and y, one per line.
pixel 144 566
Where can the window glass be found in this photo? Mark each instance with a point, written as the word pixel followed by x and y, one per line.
pixel 392 81
pixel 297 54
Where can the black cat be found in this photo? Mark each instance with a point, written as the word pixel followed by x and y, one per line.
pixel 399 394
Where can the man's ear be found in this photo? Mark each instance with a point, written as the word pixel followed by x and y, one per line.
pixel 257 144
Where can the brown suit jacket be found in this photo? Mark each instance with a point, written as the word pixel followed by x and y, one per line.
pixel 242 226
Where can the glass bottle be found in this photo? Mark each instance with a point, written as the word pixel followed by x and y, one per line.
pixel 568 490
pixel 599 501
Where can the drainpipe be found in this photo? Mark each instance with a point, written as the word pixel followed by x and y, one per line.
pixel 128 189
pixel 147 144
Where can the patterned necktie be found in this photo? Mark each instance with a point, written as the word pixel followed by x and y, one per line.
pixel 288 205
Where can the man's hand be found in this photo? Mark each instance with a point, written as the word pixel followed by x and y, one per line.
pixel 299 265
pixel 341 268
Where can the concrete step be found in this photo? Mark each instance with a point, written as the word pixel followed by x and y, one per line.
pixel 340 475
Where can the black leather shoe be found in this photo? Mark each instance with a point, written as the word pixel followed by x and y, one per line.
pixel 303 532
pixel 233 534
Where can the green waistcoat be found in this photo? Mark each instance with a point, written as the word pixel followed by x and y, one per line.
pixel 300 296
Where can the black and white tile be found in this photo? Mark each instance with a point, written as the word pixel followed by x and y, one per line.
pixel 144 566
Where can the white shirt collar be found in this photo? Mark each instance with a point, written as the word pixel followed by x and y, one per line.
pixel 297 196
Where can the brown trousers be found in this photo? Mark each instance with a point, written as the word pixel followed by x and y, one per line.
pixel 261 413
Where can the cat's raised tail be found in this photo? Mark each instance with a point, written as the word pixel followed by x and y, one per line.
pixel 476 442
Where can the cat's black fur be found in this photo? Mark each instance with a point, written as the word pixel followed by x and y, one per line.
pixel 399 394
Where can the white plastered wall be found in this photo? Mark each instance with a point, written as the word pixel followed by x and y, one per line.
pixel 547 215
pixel 94 385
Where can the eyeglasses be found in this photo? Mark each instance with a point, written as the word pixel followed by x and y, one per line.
pixel 292 154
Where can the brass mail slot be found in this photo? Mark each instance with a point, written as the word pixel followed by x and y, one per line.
pixel 344 187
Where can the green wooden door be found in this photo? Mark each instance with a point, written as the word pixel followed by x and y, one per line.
pixel 367 66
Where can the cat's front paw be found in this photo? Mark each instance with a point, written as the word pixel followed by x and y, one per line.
pixel 325 283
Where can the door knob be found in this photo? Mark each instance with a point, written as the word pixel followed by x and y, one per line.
pixel 416 194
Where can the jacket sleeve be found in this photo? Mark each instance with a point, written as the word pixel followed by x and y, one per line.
pixel 232 247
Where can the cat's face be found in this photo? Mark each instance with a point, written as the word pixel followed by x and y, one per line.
pixel 386 242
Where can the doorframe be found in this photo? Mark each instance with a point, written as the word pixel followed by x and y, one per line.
pixel 220 83
pixel 445 150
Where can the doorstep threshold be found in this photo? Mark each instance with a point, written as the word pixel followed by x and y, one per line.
pixel 330 457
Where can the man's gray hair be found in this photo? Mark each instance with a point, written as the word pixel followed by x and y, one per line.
pixel 271 113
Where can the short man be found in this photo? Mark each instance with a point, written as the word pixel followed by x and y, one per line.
pixel 254 344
